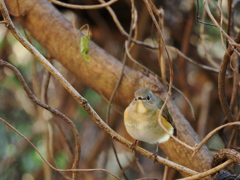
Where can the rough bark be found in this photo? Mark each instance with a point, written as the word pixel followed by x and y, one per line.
pixel 56 35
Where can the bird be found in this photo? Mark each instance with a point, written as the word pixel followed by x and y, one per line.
pixel 141 119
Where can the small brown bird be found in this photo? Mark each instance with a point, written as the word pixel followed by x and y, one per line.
pixel 141 119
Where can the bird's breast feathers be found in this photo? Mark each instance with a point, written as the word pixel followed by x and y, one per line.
pixel 141 107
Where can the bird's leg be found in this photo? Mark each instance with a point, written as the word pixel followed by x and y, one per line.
pixel 155 154
pixel 133 146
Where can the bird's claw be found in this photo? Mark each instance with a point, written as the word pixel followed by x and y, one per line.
pixel 154 155
pixel 134 145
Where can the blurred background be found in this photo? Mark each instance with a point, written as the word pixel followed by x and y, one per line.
pixel 200 42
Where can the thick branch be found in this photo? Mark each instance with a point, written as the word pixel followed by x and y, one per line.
pixel 56 34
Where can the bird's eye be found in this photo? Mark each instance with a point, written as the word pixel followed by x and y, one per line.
pixel 148 97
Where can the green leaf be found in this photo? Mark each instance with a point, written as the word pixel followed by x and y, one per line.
pixel 86 57
pixel 84 47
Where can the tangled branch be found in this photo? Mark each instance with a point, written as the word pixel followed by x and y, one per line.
pixel 79 99
pixel 52 110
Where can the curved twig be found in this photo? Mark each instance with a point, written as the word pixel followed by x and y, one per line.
pixel 44 89
pixel 127 44
pixel 148 5
pixel 209 172
pixel 173 137
pixel 121 29
pixel 225 154
pixel 231 41
pixel 171 48
pixel 221 22
pixel 225 20
pixel 56 169
pixel 178 90
pixel 199 145
pixel 203 43
pixel 74 6
pixel 188 102
pixel 221 83
pixel 47 107
pixel 209 135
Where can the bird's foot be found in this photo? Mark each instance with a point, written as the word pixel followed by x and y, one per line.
pixel 134 145
pixel 155 155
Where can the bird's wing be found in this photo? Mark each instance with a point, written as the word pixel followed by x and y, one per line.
pixel 166 114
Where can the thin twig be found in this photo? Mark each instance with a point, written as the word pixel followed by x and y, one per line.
pixel 173 137
pixel 230 40
pixel 161 60
pixel 171 78
pixel 48 135
pixel 199 145
pixel 234 94
pixel 230 23
pixel 209 135
pixel 221 22
pixel 138 63
pixel 202 39
pixel 199 17
pixel 144 67
pixel 74 6
pixel 221 83
pixel 52 110
pixel 127 43
pixel 225 20
pixel 168 58
pixel 209 172
pixel 121 29
pixel 44 90
pixel 56 169
pixel 171 48
pixel 188 101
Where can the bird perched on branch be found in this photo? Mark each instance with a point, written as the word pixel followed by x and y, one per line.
pixel 141 119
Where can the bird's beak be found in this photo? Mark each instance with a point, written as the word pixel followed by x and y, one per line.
pixel 141 107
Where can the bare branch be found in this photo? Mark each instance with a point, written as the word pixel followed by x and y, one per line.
pixel 231 41
pixel 149 7
pixel 221 83
pixel 73 6
pixel 225 154
pixel 171 48
pixel 56 169
pixel 209 172
pixel 52 110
